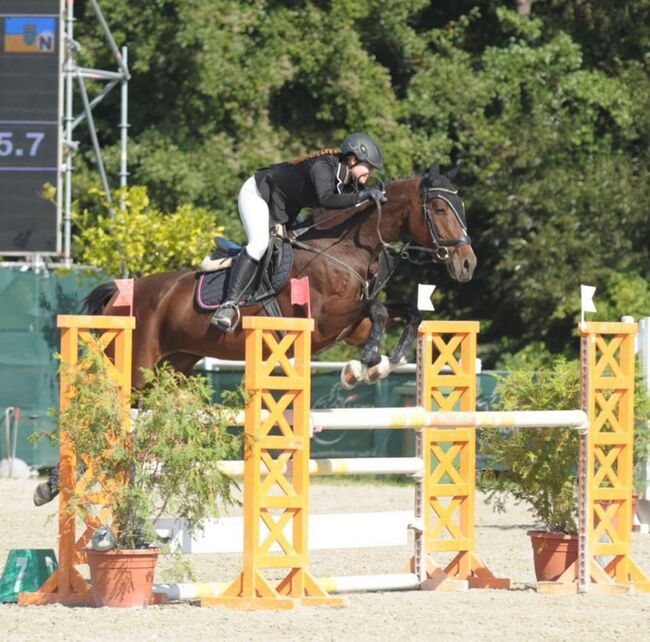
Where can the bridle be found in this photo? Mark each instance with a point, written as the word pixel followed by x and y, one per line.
pixel 442 248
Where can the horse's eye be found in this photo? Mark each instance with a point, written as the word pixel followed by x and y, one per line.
pixel 440 210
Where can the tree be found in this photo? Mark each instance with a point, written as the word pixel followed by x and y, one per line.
pixel 548 115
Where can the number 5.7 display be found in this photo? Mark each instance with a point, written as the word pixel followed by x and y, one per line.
pixel 30 126
pixel 7 146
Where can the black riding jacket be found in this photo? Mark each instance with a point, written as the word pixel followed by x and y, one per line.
pixel 317 182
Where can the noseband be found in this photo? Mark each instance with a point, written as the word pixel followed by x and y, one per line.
pixel 442 248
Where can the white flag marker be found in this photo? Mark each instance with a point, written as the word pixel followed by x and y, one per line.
pixel 425 293
pixel 586 300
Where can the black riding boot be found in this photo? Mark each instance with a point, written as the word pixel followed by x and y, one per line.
pixel 242 273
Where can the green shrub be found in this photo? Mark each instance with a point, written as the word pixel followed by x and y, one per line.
pixel 139 239
pixel 167 463
pixel 539 466
pixel 536 466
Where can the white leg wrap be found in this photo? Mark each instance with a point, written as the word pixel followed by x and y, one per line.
pixel 353 372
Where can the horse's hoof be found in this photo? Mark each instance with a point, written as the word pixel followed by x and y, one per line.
pixel 44 493
pixel 352 374
pixel 380 371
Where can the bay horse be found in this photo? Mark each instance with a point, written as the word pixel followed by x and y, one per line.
pixel 340 253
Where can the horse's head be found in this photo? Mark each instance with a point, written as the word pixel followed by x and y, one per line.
pixel 442 226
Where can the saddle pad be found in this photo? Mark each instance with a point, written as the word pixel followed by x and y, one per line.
pixel 211 287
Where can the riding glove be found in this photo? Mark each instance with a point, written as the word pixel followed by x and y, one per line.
pixel 374 193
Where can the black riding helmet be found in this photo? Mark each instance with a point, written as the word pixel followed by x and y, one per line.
pixel 364 148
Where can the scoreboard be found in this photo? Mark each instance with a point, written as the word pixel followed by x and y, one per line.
pixel 30 125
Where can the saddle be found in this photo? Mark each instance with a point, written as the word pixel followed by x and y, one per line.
pixel 272 274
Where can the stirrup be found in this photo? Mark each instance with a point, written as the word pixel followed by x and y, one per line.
pixel 223 323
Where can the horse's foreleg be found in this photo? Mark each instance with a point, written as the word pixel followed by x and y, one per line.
pixel 371 354
pixel 397 314
pixel 410 316
pixel 372 365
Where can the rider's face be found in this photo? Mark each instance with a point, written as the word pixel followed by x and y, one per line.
pixel 361 172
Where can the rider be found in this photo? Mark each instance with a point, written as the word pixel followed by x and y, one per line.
pixel 329 178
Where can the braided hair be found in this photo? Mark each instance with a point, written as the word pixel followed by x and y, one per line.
pixel 321 152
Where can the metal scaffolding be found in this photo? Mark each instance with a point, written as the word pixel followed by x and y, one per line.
pixel 73 73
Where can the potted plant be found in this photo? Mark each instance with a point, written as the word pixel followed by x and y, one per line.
pixel 166 463
pixel 538 467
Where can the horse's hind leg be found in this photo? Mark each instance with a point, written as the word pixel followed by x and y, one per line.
pixel 183 362
pixel 145 355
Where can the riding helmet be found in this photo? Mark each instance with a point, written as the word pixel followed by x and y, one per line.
pixel 364 148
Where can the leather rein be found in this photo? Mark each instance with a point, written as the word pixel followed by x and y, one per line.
pixel 442 249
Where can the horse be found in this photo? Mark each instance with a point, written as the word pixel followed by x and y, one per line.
pixel 340 252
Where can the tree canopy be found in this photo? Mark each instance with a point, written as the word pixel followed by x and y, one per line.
pixel 546 110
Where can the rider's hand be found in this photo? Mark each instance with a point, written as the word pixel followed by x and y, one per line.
pixel 373 193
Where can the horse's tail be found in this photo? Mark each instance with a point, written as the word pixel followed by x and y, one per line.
pixel 96 301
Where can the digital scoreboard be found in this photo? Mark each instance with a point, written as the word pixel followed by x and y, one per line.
pixel 30 125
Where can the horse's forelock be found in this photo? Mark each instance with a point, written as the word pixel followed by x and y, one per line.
pixel 438 181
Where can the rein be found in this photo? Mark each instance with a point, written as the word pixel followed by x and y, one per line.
pixel 303 246
pixel 441 251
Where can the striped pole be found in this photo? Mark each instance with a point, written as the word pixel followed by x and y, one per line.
pixel 416 418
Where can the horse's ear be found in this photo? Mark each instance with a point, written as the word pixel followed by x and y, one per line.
pixel 435 168
pixel 453 173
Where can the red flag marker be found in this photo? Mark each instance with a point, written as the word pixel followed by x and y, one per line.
pixel 124 294
pixel 300 293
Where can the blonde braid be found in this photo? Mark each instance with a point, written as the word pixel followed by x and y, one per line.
pixel 320 152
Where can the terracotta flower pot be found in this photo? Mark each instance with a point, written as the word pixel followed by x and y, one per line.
pixel 122 578
pixel 553 553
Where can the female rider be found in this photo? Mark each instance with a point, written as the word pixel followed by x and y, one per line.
pixel 329 179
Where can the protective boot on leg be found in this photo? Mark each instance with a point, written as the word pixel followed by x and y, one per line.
pixel 242 274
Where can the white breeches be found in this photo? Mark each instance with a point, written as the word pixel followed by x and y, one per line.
pixel 254 213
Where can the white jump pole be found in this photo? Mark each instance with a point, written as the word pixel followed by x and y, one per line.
pixel 337 584
pixel 416 418
pixel 368 583
pixel 351 466
pixel 385 418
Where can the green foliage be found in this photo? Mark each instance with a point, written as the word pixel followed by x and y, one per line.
pixel 534 356
pixel 537 467
pixel 549 116
pixel 641 430
pixel 139 239
pixel 167 464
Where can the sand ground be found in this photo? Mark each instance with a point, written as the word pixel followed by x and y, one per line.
pixel 502 544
